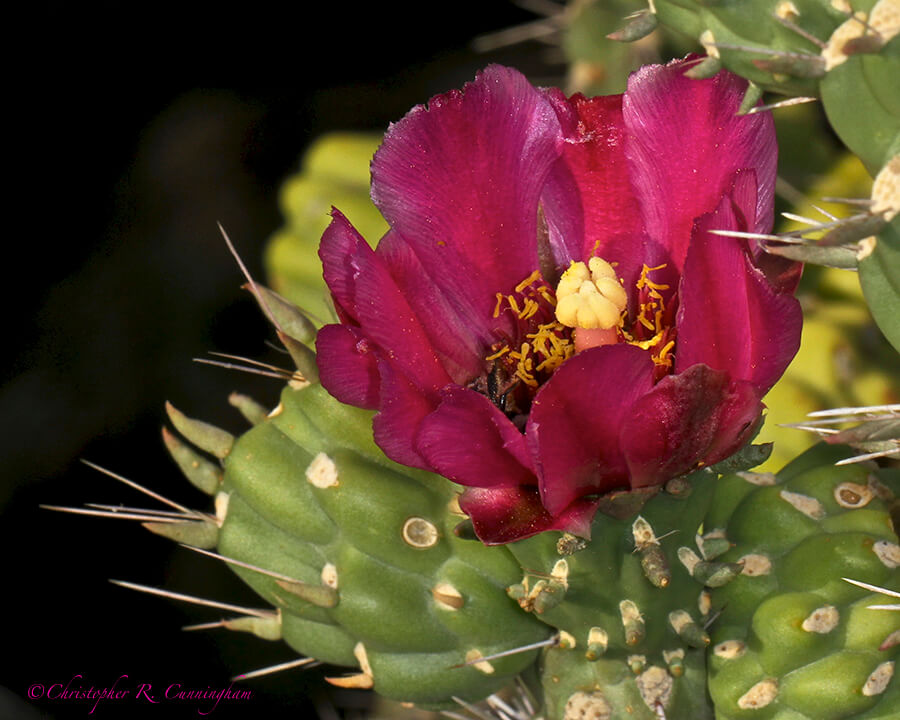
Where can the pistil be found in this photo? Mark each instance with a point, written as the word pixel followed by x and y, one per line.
pixel 590 299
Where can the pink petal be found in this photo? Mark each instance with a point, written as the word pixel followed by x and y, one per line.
pixel 340 248
pixel 685 144
pixel 402 408
pixel 361 283
pixel 468 440
pixel 783 274
pixel 730 317
pixel 588 201
pixel 459 339
pixel 347 366
pixel 505 514
pixel 697 416
pixel 576 417
pixel 460 181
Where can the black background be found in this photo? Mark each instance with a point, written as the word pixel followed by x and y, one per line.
pixel 134 128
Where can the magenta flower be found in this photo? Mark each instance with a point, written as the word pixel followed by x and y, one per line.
pixel 549 321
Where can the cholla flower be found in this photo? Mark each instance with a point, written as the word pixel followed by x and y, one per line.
pixel 548 321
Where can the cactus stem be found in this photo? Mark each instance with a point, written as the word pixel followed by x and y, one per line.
pixel 597 643
pixel 685 627
pixel 290 665
pixel 675 661
pixel 787 22
pixel 205 436
pixel 706 69
pixel 252 411
pixel 551 641
pixel 319 595
pixel 632 622
pixel 193 599
pixel 640 25
pixel 200 472
pixel 780 104
pixel 190 533
pixel 241 563
pixel 305 360
pixel 715 574
pixel 752 95
pixel 264 628
pixel 636 663
pixel 196 514
pixel 293 321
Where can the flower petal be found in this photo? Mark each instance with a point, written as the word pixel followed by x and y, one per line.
pixel 588 201
pixel 340 248
pixel 504 514
pixel 783 274
pixel 685 144
pixel 576 417
pixel 402 408
pixel 468 440
pixel 460 181
pixel 363 288
pixel 730 317
pixel 347 366
pixel 699 415
pixel 458 338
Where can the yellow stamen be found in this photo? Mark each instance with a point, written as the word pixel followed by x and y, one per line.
pixel 500 353
pixel 500 298
pixel 513 304
pixel 534 277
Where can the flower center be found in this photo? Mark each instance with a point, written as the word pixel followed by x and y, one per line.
pixel 587 309
pixel 591 299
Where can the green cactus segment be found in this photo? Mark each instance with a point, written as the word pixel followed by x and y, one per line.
pixel 610 689
pixel 870 82
pixel 792 639
pixel 879 275
pixel 630 609
pixel 358 556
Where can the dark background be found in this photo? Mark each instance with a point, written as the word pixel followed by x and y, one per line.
pixel 134 129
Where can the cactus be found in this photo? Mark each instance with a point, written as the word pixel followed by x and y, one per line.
pixel 792 639
pixel 357 555
pixel 744 568
pixel 720 593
